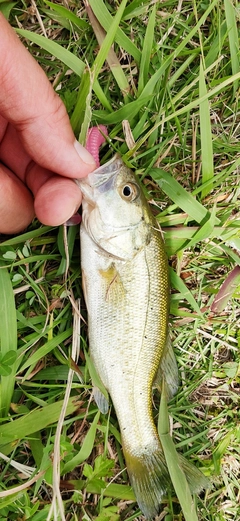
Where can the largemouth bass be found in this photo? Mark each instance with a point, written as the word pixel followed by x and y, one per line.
pixel 126 288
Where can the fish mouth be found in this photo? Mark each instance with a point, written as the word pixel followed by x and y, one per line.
pixel 104 173
pixel 100 180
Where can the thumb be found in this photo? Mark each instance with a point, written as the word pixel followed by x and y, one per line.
pixel 28 101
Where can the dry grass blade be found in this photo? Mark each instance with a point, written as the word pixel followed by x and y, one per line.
pixel 111 57
pixel 226 291
pixel 57 506
pixel 105 19
pixel 27 484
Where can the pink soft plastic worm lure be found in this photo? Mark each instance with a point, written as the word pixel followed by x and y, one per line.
pixel 94 140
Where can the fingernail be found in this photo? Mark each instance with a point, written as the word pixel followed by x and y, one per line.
pixel 75 219
pixel 84 155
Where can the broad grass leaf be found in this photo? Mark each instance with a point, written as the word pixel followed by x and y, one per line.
pixel 115 491
pixel 65 56
pixel 8 339
pixel 206 135
pixel 6 7
pixel 69 15
pixel 105 19
pixel 146 51
pixel 233 37
pixel 128 112
pixel 205 231
pixel 176 473
pixel 81 115
pixel 35 421
pixel 86 448
pixel 9 358
pixel 179 285
pixel 5 370
pixel 179 195
pixel 46 348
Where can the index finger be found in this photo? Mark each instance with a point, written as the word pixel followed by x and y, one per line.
pixel 28 101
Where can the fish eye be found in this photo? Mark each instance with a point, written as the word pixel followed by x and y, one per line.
pixel 129 191
pixel 126 191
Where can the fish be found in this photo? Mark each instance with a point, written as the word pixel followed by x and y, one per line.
pixel 126 288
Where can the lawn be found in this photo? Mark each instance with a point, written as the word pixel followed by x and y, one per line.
pixel 165 81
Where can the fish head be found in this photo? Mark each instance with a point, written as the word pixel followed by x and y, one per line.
pixel 115 211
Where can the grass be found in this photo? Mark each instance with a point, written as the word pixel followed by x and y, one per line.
pixel 177 83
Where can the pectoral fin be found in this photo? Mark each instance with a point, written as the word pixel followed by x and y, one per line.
pixel 99 391
pixel 168 368
pixel 100 400
pixel 113 285
pixel 84 286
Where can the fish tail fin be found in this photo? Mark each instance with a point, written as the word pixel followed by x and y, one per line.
pixel 151 481
pixel 149 478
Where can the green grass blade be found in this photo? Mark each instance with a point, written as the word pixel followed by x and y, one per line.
pixel 176 237
pixel 112 59
pixel 113 490
pixel 178 284
pixel 196 27
pixel 81 110
pixel 105 19
pixel 8 338
pixel 185 110
pixel 65 56
pixel 205 231
pixel 46 348
pixel 128 112
pixel 211 93
pixel 102 96
pixel 179 195
pixel 206 135
pixel 69 15
pixel 150 86
pixel 86 448
pixel 81 116
pixel 103 52
pixel 6 7
pixel 35 421
pixel 42 230
pixel 233 37
pixel 132 9
pixel 146 51
pixel 176 473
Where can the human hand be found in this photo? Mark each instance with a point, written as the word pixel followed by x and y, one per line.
pixel 39 156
